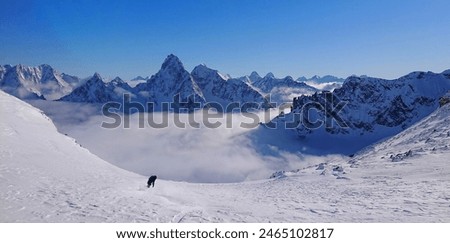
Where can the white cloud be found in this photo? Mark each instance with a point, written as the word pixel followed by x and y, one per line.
pixel 189 154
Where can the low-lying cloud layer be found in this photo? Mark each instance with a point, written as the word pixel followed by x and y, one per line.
pixel 184 154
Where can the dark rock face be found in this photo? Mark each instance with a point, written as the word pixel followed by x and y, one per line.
pixel 372 103
pixel 396 114
pixel 444 99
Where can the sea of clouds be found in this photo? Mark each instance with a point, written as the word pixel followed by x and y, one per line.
pixel 193 154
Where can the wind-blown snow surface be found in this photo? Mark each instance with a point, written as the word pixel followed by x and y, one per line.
pixel 46 177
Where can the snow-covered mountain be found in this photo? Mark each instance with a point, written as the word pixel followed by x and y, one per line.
pixel 326 83
pixel 95 90
pixel 35 82
pixel 3 70
pixel 374 109
pixel 71 79
pixel 400 175
pixel 269 82
pixel 171 83
pixel 281 90
pixel 118 83
pixel 323 79
pixel 253 77
pixel 202 85
pixel 221 89
pixel 139 78
pixel 428 137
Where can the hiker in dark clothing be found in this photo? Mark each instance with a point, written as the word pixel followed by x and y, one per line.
pixel 151 181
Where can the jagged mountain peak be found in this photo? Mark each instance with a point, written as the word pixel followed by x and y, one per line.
pixel 20 69
pixel 254 76
pixel 7 66
pixel 222 89
pixel 302 79
pixel 117 80
pixel 19 66
pixel 203 71
pixel 42 81
pixel 282 89
pixel 289 78
pixel 201 67
pixel 325 79
pixel 374 108
pixel 49 73
pixel 47 66
pixel 172 80
pixel 172 63
pixel 97 76
pixel 95 90
pixel 94 80
pixel 172 72
pixel 269 75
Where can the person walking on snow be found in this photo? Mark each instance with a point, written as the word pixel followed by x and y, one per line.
pixel 151 181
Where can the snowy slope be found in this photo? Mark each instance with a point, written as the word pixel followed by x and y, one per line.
pixel 405 175
pixel 429 137
pixel 46 177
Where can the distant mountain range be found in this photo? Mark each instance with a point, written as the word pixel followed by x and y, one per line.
pixel 373 105
pixel 139 78
pixel 202 85
pixel 95 90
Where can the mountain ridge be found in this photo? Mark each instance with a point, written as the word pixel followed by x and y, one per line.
pixel 372 109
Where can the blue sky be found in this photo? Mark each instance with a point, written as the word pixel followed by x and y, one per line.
pixel 298 38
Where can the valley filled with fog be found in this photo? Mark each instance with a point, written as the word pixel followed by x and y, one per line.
pixel 204 154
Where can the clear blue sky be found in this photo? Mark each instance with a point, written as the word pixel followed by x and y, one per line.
pixel 384 38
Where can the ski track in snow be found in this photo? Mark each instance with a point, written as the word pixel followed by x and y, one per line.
pixel 46 177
